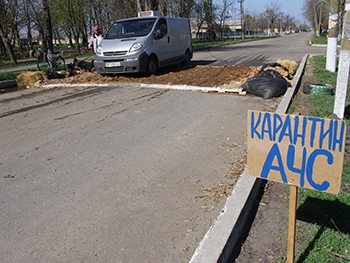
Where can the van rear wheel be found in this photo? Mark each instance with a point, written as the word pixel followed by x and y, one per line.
pixel 152 66
pixel 187 58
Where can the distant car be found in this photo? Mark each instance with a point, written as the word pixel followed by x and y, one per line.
pixel 296 30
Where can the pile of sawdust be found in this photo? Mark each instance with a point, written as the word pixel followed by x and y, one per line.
pixel 30 79
pixel 291 65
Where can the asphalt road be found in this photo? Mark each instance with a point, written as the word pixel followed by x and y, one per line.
pixel 257 53
pixel 112 174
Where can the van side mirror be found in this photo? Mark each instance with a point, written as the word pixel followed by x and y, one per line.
pixel 157 34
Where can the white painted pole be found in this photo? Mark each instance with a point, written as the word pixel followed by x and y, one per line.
pixel 331 61
pixel 332 41
pixel 343 68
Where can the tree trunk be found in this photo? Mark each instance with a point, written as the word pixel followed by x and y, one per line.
pixel 317 25
pixel 77 46
pixel 43 39
pixel 320 21
pixel 154 5
pixel 208 10
pixel 139 6
pixel 8 46
pixel 2 48
pixel 70 38
pixel 48 25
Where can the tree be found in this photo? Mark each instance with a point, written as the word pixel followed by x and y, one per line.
pixel 209 18
pixel 8 10
pixel 199 16
pixel 288 23
pixel 48 25
pixel 224 14
pixel 28 23
pixel 272 12
pixel 250 23
pixel 316 12
pixel 176 8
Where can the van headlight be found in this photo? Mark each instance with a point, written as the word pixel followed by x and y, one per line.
pixel 99 50
pixel 136 47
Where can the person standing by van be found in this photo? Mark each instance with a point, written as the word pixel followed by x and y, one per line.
pixel 96 38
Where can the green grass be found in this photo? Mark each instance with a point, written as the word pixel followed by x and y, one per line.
pixel 321 40
pixel 323 108
pixel 323 104
pixel 14 74
pixel 326 235
pixel 323 226
pixel 9 64
pixel 203 43
pixel 9 76
pixel 319 70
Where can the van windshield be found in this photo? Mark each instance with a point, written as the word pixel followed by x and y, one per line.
pixel 130 28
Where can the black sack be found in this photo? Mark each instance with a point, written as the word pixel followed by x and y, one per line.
pixel 267 84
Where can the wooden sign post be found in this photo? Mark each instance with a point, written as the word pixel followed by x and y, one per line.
pixel 293 193
pixel 300 151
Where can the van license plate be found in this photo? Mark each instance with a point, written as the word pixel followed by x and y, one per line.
pixel 112 64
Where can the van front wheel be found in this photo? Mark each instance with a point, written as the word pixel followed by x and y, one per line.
pixel 152 66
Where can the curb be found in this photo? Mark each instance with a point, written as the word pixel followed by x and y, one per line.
pixel 222 237
pixel 321 45
pixel 7 84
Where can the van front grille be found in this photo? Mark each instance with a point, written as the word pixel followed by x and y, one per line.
pixel 116 69
pixel 114 53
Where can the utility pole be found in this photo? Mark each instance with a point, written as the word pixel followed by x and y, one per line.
pixel 332 42
pixel 242 17
pixel 344 63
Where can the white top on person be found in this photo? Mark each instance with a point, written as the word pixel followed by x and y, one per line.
pixel 95 39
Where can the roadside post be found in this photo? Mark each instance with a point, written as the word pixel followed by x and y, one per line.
pixel 332 41
pixel 343 68
pixel 301 151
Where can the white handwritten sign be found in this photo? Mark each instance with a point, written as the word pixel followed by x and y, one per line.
pixel 297 150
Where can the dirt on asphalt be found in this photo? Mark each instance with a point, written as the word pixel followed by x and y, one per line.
pixel 206 76
pixel 228 77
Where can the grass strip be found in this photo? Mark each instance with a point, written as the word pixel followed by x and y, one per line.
pixel 323 229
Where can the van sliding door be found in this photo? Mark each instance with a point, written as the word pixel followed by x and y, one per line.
pixel 161 45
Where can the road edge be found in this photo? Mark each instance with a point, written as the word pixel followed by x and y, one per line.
pixel 223 236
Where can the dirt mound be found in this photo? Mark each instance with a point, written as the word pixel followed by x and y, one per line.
pixel 205 76
pixel 194 76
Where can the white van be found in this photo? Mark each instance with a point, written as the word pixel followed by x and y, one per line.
pixel 144 44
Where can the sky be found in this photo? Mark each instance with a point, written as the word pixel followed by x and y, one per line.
pixel 292 8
